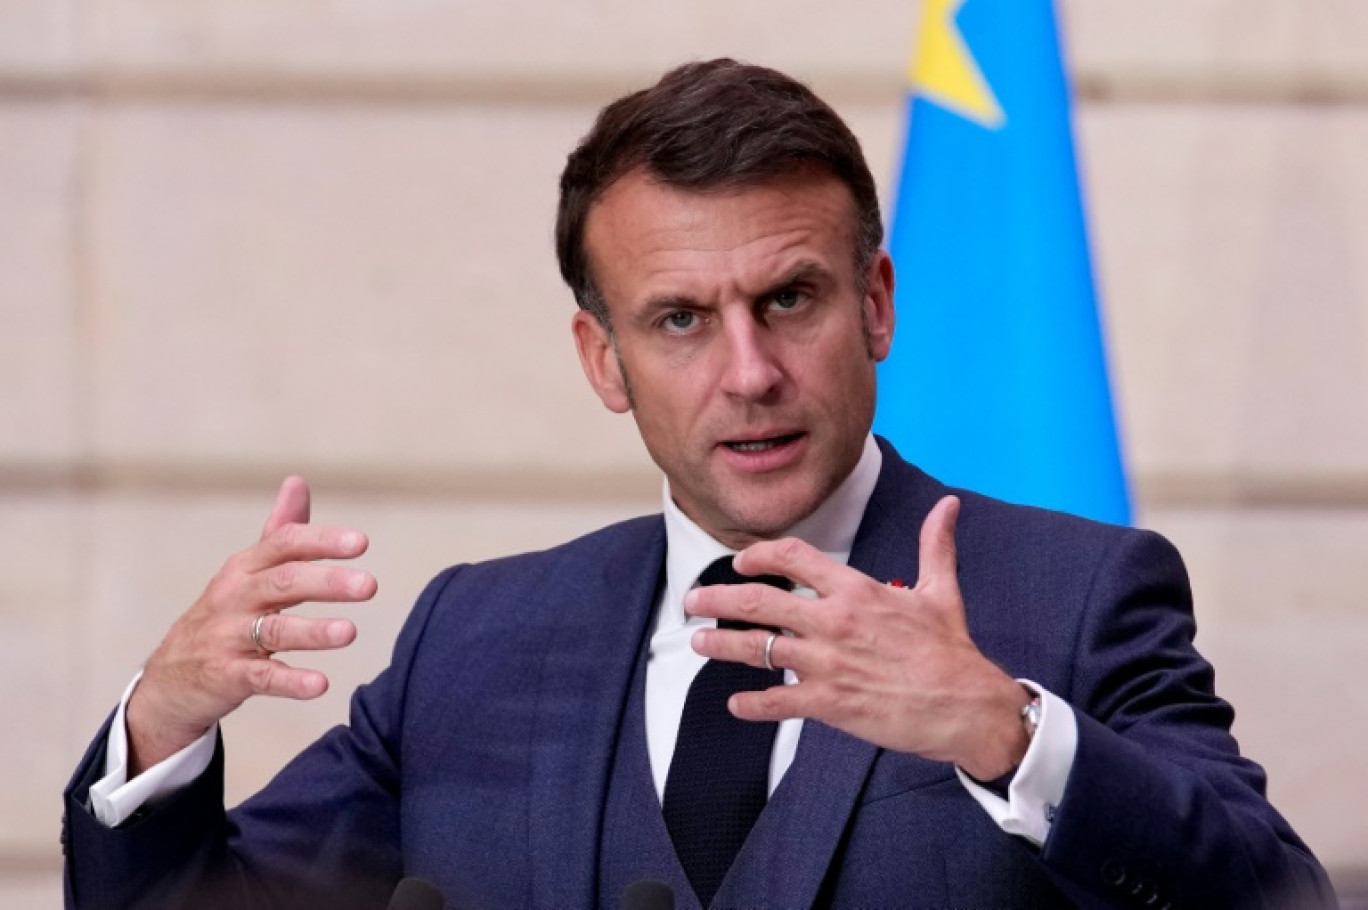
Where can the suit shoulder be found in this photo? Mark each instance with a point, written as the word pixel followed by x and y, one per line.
pixel 906 492
pixel 1004 524
pixel 1062 563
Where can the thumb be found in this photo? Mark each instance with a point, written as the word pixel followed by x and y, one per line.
pixel 291 505
pixel 937 546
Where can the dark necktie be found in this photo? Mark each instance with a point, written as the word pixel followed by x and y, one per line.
pixel 719 775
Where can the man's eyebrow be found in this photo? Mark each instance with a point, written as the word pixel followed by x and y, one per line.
pixel 805 272
pixel 665 302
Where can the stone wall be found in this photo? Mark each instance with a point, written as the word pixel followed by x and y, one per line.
pixel 244 239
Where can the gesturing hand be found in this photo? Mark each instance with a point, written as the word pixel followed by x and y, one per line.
pixel 893 666
pixel 209 663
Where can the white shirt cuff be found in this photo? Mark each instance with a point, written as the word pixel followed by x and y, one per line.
pixel 114 798
pixel 1038 786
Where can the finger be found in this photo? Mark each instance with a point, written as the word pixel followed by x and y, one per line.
pixel 297 582
pixel 293 542
pixel 275 677
pixel 794 559
pixel 774 703
pixel 291 505
pixel 761 605
pixel 937 545
pixel 748 647
pixel 282 632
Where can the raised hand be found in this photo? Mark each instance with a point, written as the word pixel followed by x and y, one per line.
pixel 893 666
pixel 218 653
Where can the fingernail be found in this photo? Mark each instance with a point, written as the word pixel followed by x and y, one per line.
pixel 690 600
pixel 358 584
pixel 699 640
pixel 351 541
pixel 338 631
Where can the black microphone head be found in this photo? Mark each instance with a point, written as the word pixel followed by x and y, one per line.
pixel 416 894
pixel 648 894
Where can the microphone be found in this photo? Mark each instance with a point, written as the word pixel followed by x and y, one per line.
pixel 418 894
pixel 648 894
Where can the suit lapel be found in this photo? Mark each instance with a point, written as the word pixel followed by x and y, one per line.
pixel 604 605
pixel 788 852
pixel 886 544
pixel 791 849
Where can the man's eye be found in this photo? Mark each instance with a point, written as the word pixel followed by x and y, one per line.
pixel 787 300
pixel 681 321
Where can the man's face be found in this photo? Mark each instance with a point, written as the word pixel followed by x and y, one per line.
pixel 743 347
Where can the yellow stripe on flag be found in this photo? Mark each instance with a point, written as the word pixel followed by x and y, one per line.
pixel 943 69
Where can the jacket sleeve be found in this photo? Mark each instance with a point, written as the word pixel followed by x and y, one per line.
pixel 323 833
pixel 1160 809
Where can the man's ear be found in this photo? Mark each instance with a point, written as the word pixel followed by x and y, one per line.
pixel 878 303
pixel 600 362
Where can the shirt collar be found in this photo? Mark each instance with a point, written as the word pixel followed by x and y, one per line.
pixel 830 528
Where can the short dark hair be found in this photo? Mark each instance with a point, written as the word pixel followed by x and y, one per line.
pixel 715 125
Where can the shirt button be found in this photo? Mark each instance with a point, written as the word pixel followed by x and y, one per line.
pixel 1114 873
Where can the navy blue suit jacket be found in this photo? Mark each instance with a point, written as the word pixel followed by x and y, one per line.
pixel 480 758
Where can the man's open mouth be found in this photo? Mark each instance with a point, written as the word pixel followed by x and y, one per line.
pixel 762 445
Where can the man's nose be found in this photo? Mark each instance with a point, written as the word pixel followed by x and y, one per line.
pixel 752 370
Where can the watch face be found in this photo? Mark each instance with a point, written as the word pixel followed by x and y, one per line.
pixel 1030 716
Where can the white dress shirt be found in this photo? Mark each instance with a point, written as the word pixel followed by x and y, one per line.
pixel 1035 791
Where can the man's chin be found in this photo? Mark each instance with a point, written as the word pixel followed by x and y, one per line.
pixel 764 520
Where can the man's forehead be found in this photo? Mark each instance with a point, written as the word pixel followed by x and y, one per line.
pixel 639 215
pixel 796 179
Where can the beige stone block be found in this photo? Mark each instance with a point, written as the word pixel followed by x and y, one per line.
pixel 37 36
pixel 39 387
pixel 520 39
pixel 1231 244
pixel 1266 40
pixel 40 598
pixel 154 554
pixel 342 286
pixel 1279 600
pixel 29 890
pixel 346 287
pixel 1274 42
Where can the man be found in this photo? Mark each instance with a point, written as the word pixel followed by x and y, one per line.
pixel 1027 724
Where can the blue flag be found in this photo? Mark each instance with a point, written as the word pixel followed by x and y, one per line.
pixel 998 378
